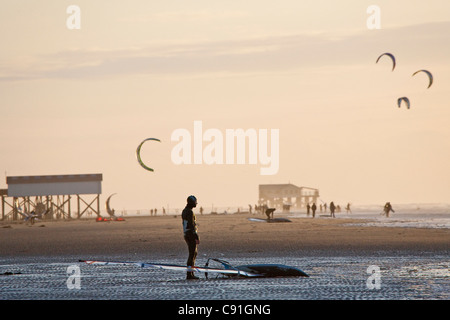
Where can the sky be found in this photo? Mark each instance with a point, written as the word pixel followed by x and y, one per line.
pixel 76 101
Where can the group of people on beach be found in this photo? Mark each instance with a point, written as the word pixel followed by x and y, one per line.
pixel 336 208
pixel 323 208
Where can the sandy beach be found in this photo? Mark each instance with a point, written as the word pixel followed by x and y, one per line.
pixel 227 235
pixel 38 260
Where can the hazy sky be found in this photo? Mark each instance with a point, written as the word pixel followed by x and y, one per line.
pixel 79 101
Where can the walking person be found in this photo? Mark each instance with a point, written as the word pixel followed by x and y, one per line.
pixel 332 208
pixel 387 209
pixel 313 208
pixel 348 208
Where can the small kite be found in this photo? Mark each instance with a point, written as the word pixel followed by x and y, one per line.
pixel 108 207
pixel 138 154
pixel 389 55
pixel 430 76
pixel 405 99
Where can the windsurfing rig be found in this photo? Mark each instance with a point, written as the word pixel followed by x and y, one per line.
pixel 247 271
pixel 228 269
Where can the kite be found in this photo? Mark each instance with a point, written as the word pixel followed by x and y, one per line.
pixel 111 212
pixel 108 207
pixel 405 99
pixel 430 76
pixel 391 56
pixel 138 154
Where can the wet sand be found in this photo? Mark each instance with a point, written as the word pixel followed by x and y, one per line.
pixel 220 235
pixel 334 253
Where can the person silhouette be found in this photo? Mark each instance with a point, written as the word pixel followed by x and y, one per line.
pixel 190 234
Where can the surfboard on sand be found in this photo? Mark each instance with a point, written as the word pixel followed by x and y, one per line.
pixel 274 220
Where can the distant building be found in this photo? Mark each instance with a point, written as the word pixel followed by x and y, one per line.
pixel 279 195
pixel 52 194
